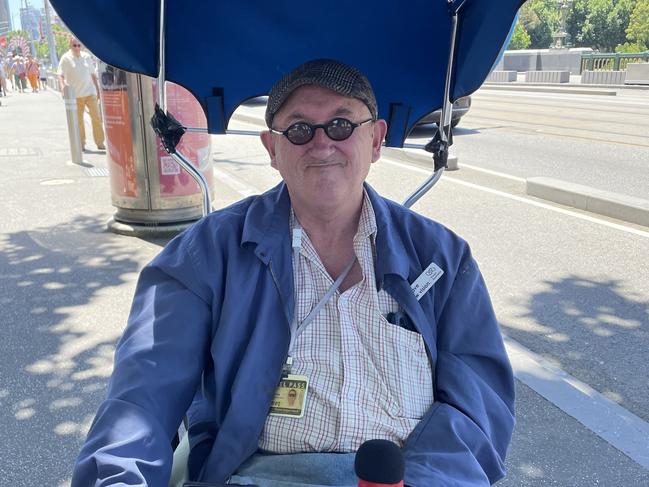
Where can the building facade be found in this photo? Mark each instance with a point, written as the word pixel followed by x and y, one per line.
pixel 30 18
pixel 5 18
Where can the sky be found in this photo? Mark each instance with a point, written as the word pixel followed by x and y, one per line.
pixel 14 8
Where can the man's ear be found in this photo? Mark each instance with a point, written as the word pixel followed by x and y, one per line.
pixel 269 143
pixel 380 129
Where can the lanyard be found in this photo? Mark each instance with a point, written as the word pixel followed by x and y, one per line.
pixel 298 328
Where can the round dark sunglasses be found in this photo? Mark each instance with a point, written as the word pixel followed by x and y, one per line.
pixel 337 129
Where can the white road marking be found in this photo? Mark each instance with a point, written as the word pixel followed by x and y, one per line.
pixel 494 173
pixel 563 211
pixel 238 185
pixel 607 419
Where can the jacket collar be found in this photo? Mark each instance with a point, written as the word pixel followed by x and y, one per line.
pixel 266 225
pixel 391 255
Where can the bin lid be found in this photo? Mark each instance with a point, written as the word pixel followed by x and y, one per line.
pixel 226 51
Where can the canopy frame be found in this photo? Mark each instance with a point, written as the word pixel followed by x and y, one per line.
pixel 439 145
pixel 161 109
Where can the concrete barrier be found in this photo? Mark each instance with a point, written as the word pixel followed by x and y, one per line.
pixel 637 74
pixel 543 60
pixel 622 207
pixel 502 76
pixel 603 77
pixel 547 76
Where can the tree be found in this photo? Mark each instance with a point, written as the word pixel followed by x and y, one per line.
pixel 540 19
pixel 61 40
pixel 520 38
pixel 638 29
pixel 599 24
pixel 630 48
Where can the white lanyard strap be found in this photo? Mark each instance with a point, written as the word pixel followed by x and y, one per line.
pixel 297 329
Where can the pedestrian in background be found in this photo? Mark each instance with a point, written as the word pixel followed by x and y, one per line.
pixel 3 80
pixel 9 71
pixel 19 74
pixel 77 70
pixel 42 77
pixel 31 70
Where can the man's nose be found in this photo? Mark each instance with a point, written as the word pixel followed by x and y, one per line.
pixel 320 139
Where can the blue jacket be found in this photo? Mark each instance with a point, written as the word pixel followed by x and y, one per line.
pixel 212 312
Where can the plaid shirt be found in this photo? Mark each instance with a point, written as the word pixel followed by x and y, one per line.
pixel 368 378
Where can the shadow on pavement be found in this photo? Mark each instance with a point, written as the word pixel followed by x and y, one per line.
pixel 580 324
pixel 56 351
pixel 552 449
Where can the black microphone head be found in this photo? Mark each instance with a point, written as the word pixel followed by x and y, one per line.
pixel 380 462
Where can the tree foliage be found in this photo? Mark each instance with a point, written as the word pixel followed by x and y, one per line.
pixel 61 40
pixel 600 24
pixel 638 29
pixel 630 48
pixel 520 37
pixel 540 19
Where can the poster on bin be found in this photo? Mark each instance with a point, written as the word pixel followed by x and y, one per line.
pixel 174 181
pixel 119 138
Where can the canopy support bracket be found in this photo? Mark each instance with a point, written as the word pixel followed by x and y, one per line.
pixel 168 128
pixel 442 139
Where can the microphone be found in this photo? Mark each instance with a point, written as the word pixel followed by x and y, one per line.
pixel 379 463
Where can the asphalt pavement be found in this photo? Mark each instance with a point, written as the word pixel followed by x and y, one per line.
pixel 66 286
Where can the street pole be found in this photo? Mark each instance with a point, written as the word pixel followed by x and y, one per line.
pixel 54 59
pixel 74 138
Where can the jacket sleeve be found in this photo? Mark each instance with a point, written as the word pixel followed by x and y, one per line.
pixel 158 364
pixel 463 438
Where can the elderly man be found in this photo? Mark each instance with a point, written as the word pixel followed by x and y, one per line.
pixel 320 285
pixel 77 70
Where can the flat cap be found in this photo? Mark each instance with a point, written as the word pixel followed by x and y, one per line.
pixel 339 77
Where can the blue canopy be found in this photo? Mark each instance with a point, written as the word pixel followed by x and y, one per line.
pixel 226 51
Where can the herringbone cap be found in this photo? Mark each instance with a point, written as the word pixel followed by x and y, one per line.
pixel 342 78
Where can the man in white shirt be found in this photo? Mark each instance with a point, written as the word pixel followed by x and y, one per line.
pixel 77 70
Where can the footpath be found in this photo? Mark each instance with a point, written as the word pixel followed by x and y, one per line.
pixel 66 285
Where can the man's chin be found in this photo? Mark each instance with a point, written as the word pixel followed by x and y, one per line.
pixel 335 196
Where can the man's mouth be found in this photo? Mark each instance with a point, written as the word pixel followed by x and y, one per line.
pixel 324 163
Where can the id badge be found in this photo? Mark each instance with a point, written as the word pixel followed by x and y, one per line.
pixel 290 397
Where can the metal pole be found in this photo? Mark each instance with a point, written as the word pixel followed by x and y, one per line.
pixel 162 101
pixel 445 120
pixel 447 108
pixel 73 124
pixel 54 58
pixel 162 94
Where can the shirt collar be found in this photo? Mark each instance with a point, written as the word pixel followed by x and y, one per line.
pixel 267 225
pixel 366 221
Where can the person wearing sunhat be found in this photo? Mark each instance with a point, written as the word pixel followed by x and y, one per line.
pixel 31 70
pixel 377 315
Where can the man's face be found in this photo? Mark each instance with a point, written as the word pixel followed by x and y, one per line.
pixel 75 46
pixel 324 173
pixel 292 396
